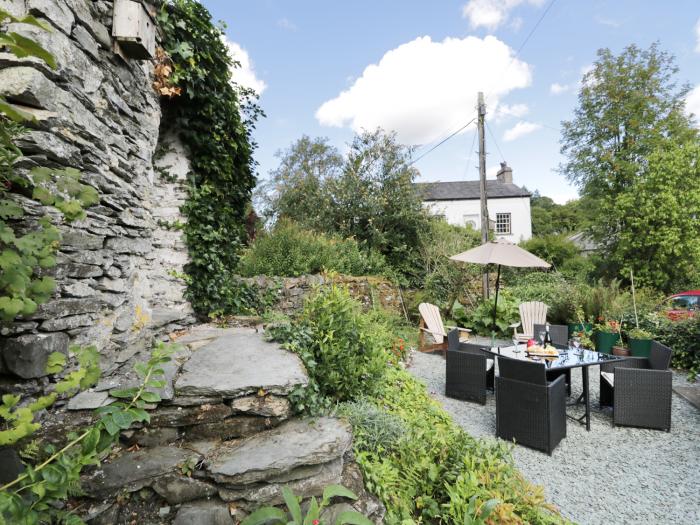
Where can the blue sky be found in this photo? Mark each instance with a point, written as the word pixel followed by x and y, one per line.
pixel 326 67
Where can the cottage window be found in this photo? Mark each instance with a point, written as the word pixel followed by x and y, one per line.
pixel 503 223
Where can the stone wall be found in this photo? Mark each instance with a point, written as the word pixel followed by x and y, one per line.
pixel 97 112
pixel 370 291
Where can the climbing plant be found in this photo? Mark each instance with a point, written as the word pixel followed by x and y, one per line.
pixel 25 252
pixel 214 117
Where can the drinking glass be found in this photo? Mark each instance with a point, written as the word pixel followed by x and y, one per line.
pixel 542 334
pixel 577 344
pixel 516 348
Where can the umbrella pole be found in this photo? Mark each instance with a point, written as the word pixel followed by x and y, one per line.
pixel 495 303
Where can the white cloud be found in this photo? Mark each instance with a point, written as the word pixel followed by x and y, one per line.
pixel 287 24
pixel 697 36
pixel 511 110
pixel 558 89
pixel 692 104
pixel 244 75
pixel 492 13
pixel 521 129
pixel 423 89
pixel 492 171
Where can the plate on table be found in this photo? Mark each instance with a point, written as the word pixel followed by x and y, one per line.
pixel 539 351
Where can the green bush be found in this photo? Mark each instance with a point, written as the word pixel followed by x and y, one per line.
pixel 345 350
pixel 555 249
pixel 480 319
pixel 289 251
pixel 682 336
pixel 445 281
pixel 551 288
pixel 436 468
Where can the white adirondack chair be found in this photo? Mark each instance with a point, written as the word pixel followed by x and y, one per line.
pixel 531 313
pixel 431 323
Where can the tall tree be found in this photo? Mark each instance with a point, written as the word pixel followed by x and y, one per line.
pixel 368 195
pixel 294 189
pixel 630 107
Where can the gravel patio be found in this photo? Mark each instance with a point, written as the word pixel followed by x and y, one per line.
pixel 608 475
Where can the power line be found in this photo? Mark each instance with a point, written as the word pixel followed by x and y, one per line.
pixel 471 152
pixel 503 158
pixel 441 142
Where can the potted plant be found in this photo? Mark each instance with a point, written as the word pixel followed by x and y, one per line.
pixel 606 335
pixel 640 342
pixel 582 325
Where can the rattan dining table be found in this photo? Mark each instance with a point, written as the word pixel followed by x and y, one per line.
pixel 566 359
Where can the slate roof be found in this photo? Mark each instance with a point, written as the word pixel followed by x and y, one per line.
pixel 468 190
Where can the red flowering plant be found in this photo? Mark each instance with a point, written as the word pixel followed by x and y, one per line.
pixel 398 348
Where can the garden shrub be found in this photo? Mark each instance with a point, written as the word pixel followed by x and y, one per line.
pixel 555 249
pixel 480 319
pixel 435 468
pixel 445 281
pixel 551 288
pixel 682 336
pixel 290 250
pixel 413 457
pixel 344 349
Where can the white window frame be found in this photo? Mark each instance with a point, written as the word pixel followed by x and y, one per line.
pixel 504 219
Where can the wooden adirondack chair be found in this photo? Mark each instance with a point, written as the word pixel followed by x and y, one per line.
pixel 431 323
pixel 531 313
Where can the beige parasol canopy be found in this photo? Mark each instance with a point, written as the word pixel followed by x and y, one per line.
pixel 503 253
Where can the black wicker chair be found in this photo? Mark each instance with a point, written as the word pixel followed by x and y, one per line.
pixel 639 389
pixel 529 409
pixel 560 338
pixel 468 370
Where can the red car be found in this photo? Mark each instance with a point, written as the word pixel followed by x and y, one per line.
pixel 682 305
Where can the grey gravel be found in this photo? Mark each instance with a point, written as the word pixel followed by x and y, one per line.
pixel 608 475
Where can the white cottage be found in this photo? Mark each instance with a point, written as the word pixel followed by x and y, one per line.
pixel 459 202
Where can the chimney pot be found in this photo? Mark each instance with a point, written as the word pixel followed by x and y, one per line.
pixel 505 174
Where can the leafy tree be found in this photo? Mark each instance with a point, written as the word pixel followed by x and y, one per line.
pixel 631 110
pixel 369 195
pixel 659 234
pixel 550 218
pixel 295 186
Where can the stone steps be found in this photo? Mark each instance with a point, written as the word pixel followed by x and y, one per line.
pixel 225 441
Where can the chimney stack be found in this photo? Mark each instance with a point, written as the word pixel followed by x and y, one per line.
pixel 505 174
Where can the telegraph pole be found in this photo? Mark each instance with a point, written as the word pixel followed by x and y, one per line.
pixel 482 187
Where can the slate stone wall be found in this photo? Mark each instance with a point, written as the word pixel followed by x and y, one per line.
pixel 291 291
pixel 97 112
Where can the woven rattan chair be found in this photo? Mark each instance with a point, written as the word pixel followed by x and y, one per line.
pixel 639 389
pixel 529 409
pixel 560 338
pixel 468 370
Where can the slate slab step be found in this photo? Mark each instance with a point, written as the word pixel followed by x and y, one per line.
pixel 136 470
pixel 265 456
pixel 238 363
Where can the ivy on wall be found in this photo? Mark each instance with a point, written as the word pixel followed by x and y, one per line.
pixel 214 118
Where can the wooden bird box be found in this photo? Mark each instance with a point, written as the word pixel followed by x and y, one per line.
pixel 134 30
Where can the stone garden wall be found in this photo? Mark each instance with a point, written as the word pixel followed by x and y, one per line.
pixel 98 112
pixel 370 291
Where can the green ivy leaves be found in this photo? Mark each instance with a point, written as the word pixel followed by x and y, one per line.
pixel 211 121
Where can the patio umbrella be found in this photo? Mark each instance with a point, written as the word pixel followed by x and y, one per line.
pixel 501 253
